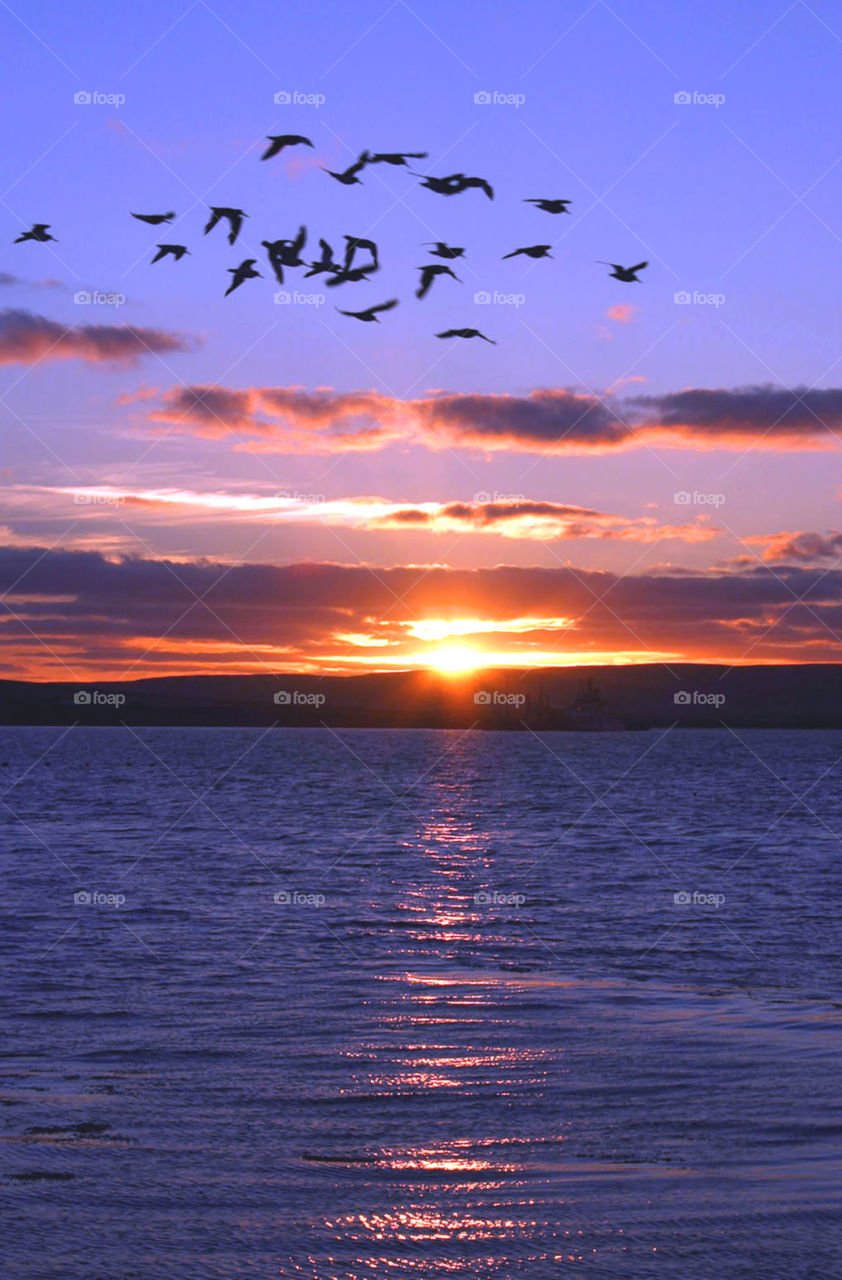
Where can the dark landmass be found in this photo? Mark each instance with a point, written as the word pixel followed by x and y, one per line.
pixel 564 698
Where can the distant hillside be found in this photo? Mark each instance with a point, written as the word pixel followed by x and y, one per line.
pixel 619 697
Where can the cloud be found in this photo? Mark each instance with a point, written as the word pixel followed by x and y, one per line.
pixel 516 518
pixel 803 548
pixel 106 616
pixel 770 416
pixel 622 312
pixel 550 420
pixel 26 338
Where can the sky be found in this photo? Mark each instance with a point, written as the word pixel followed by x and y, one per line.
pixel 626 472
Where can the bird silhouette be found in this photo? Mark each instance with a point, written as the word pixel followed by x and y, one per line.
pixel 443 250
pixel 325 263
pixel 531 251
pixel 550 206
pixel 353 275
pixel 233 216
pixel 245 271
pixel 176 251
pixel 626 274
pixel 397 157
pixel 428 275
pixel 454 184
pixel 154 219
pixel 465 333
pixel 38 231
pixel 349 176
pixel 353 243
pixel 285 253
pixel 277 142
pixel 370 313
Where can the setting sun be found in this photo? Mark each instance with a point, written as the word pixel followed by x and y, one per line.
pixel 456 658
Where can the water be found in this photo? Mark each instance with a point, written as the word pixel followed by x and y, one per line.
pixel 476 1037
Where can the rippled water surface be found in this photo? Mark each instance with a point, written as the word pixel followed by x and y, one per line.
pixel 420 1004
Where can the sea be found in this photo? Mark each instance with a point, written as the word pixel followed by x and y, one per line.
pixel 353 1004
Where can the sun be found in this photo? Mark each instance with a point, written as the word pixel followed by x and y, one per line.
pixel 456 658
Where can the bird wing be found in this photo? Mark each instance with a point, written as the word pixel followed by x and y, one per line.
pixel 212 220
pixel 639 266
pixel 385 306
pixel 275 145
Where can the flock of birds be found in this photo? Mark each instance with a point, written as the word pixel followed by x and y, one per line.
pixel 285 255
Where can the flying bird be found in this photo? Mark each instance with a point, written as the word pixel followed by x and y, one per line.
pixel 325 263
pixel 428 275
pixel 353 243
pixel 349 176
pixel 397 157
pixel 38 231
pixel 454 184
pixel 465 333
pixel 245 271
pixel 626 274
pixel 285 253
pixel 531 251
pixel 443 250
pixel 154 219
pixel 550 206
pixel 353 275
pixel 176 251
pixel 233 216
pixel 277 142
pixel 370 314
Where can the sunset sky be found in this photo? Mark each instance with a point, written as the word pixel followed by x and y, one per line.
pixel 635 472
